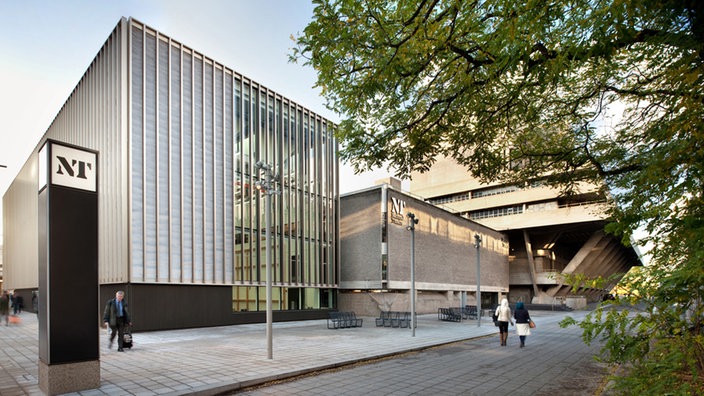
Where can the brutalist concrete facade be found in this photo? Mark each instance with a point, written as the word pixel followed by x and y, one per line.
pixel 375 255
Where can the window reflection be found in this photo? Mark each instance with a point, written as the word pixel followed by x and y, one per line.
pixel 253 298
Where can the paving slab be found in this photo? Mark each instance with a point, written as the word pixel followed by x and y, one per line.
pixel 215 360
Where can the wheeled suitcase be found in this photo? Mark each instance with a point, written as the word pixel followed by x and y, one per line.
pixel 127 337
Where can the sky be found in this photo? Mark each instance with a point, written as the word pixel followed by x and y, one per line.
pixel 46 46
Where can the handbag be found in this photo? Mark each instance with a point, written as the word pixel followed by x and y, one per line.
pixel 495 318
pixel 531 324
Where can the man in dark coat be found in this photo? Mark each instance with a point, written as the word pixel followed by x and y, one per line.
pixel 117 316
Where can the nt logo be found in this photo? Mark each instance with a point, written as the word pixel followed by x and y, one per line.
pixel 74 168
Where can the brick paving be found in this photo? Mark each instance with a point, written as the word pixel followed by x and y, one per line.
pixel 222 360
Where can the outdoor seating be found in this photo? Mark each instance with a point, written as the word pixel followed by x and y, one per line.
pixel 343 320
pixel 393 319
pixel 449 314
pixel 403 320
pixel 384 319
pixel 470 312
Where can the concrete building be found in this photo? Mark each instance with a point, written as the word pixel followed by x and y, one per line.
pixel 1 264
pixel 181 226
pixel 548 235
pixel 375 251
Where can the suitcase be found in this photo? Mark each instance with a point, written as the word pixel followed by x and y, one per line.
pixel 127 338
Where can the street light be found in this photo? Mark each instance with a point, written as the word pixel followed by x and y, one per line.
pixel 478 244
pixel 412 221
pixel 266 186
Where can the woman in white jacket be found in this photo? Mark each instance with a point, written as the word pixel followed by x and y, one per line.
pixel 503 313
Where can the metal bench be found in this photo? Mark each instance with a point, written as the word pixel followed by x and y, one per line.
pixel 343 320
pixel 470 311
pixel 384 319
pixel 403 320
pixel 449 314
pixel 393 319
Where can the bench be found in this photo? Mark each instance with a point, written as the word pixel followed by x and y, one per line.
pixel 470 311
pixel 401 319
pixel 343 320
pixel 449 314
pixel 393 319
pixel 384 319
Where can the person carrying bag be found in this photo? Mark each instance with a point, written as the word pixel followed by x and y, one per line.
pixel 503 318
pixel 522 322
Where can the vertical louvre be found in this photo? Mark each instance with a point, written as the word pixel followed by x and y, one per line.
pixel 175 169
pixel 209 174
pixel 197 129
pixel 137 155
pixel 163 143
pixel 198 170
pixel 219 179
pixel 150 158
pixel 228 181
pixel 187 169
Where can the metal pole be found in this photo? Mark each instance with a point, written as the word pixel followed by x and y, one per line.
pixel 267 187
pixel 478 244
pixel 412 221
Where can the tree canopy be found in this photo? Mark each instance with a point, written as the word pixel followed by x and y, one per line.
pixel 605 91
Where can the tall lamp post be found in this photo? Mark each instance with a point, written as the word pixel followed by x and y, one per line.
pixel 478 244
pixel 412 221
pixel 266 185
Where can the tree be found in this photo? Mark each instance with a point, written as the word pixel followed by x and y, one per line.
pixel 604 91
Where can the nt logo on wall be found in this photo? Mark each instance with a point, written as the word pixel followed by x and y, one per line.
pixel 398 209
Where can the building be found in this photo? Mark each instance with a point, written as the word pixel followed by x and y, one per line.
pixel 549 235
pixel 1 264
pixel 181 224
pixel 375 251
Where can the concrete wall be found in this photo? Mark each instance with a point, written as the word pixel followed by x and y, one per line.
pixel 445 256
pixel 371 303
pixel 360 241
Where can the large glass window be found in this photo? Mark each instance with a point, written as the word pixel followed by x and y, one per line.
pixel 253 298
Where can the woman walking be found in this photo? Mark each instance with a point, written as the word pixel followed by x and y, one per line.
pixel 503 314
pixel 522 322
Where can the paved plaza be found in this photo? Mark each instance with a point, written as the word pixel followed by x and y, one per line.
pixel 220 360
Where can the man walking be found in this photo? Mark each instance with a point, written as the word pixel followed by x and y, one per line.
pixel 117 317
pixel 5 306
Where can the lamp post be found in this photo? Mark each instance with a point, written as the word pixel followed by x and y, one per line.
pixel 478 244
pixel 412 221
pixel 266 185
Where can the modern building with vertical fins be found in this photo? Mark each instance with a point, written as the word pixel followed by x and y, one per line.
pixel 181 226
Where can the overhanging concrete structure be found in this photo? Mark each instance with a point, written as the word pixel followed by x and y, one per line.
pixel 550 236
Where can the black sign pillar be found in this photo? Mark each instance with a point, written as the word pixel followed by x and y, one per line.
pixel 69 354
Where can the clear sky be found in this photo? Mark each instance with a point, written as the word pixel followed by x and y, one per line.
pixel 46 46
